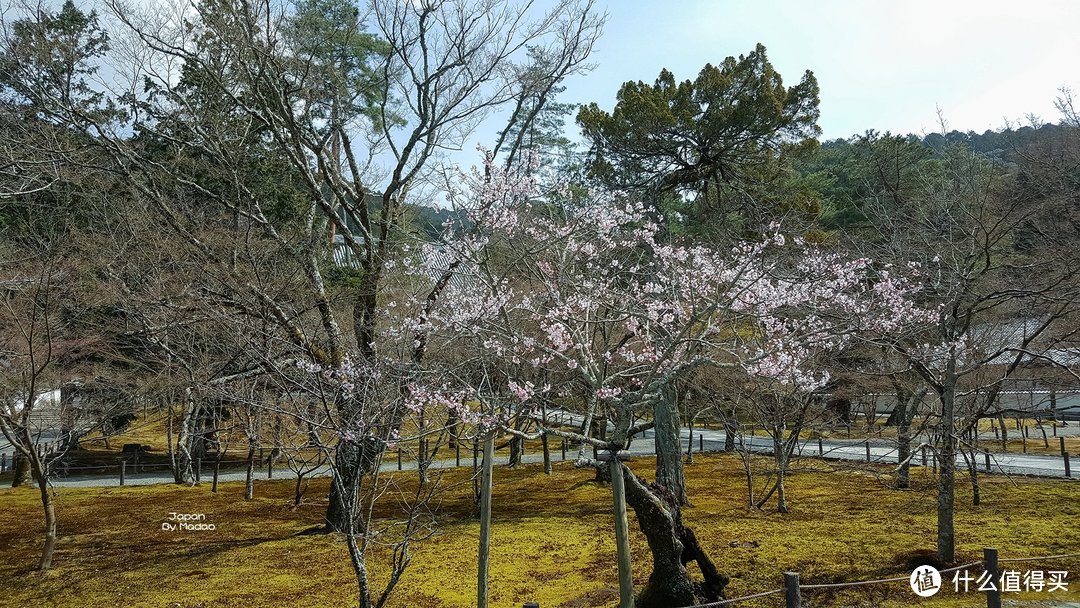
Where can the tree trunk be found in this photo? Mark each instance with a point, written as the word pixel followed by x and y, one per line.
pixel 170 447
pixel 598 430
pixel 249 483
pixel 20 466
pixel 484 551
pixel 298 490
pixel 517 445
pixel 547 453
pixel 749 472
pixel 731 426
pixel 672 546
pixel 185 440
pixel 780 458
pixel 840 407
pixel 669 465
pixel 973 471
pixel 871 413
pixel 907 405
pixel 358 558
pixel 690 444
pixel 69 438
pixel 903 438
pixel 351 463
pixel 946 534
pixel 452 426
pixel 50 515
pixel 343 490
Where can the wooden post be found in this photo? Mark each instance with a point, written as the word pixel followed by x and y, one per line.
pixel 622 534
pixel 820 447
pixel 217 466
pixel 1061 441
pixel 564 448
pixel 123 469
pixel 792 593
pixel 198 469
pixel 3 462
pixel 270 468
pixel 485 524
pixel 457 453
pixel 986 457
pixel 867 444
pixel 1068 470
pixel 399 459
pixel 700 442
pixel 990 566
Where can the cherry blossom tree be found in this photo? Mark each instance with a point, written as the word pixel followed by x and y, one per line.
pixel 593 291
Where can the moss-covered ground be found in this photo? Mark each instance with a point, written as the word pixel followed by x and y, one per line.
pixel 552 541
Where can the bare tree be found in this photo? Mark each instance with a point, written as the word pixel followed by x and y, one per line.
pixel 1002 300
pixel 43 346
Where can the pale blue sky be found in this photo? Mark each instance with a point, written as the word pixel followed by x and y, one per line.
pixel 885 65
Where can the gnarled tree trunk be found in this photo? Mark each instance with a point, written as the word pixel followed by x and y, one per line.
pixel 342 491
pixel 187 441
pixel 673 546
pixel 352 462
pixel 669 464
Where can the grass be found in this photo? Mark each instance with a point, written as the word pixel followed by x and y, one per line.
pixel 552 541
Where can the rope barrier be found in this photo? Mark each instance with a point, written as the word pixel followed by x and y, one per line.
pixel 875 581
pixel 854 584
pixel 1038 559
pixel 738 599
pixel 963 567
